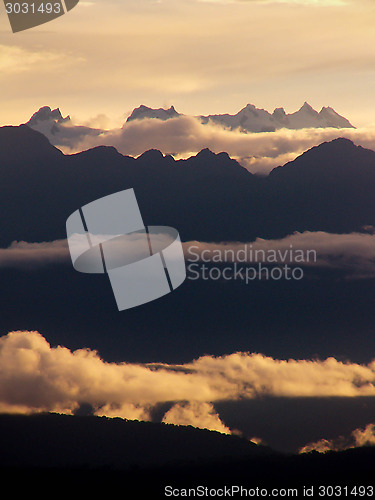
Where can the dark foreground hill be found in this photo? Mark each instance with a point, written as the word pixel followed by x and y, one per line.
pixel 98 454
pixel 52 440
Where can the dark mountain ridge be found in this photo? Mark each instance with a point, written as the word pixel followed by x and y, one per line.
pixel 53 440
pixel 207 197
pixel 93 455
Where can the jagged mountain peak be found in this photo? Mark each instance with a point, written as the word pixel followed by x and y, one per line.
pixel 205 153
pixel 253 119
pixel 337 159
pixel 307 107
pixel 151 155
pixel 145 112
pixel 279 111
pixel 45 113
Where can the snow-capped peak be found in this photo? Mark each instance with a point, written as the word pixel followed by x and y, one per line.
pixel 253 119
pixel 160 114
pixel 45 114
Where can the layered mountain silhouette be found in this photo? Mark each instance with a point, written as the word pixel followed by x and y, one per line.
pixel 62 132
pixel 210 198
pixel 59 130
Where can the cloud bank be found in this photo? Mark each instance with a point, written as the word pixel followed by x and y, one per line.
pixel 36 377
pixel 354 252
pixel 21 254
pixel 184 136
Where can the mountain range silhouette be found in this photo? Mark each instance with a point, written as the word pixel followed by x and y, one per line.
pixel 209 197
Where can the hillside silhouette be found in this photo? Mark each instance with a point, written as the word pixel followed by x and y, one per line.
pixel 96 454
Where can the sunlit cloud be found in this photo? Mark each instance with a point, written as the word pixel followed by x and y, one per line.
pixel 358 438
pixel 354 252
pixel 184 136
pixel 197 414
pixel 35 377
pixel 21 254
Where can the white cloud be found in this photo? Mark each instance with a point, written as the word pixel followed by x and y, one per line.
pixel 197 414
pixel 354 252
pixel 358 438
pixel 36 377
pixel 365 437
pixel 184 136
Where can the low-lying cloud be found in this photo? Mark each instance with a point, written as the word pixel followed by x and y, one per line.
pixel 358 438
pixel 185 135
pixel 353 253
pixel 36 377
pixel 21 254
pixel 197 414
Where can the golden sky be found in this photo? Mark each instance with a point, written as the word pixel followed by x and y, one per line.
pixel 109 56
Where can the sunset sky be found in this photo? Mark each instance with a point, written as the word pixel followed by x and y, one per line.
pixel 107 57
pixel 219 350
